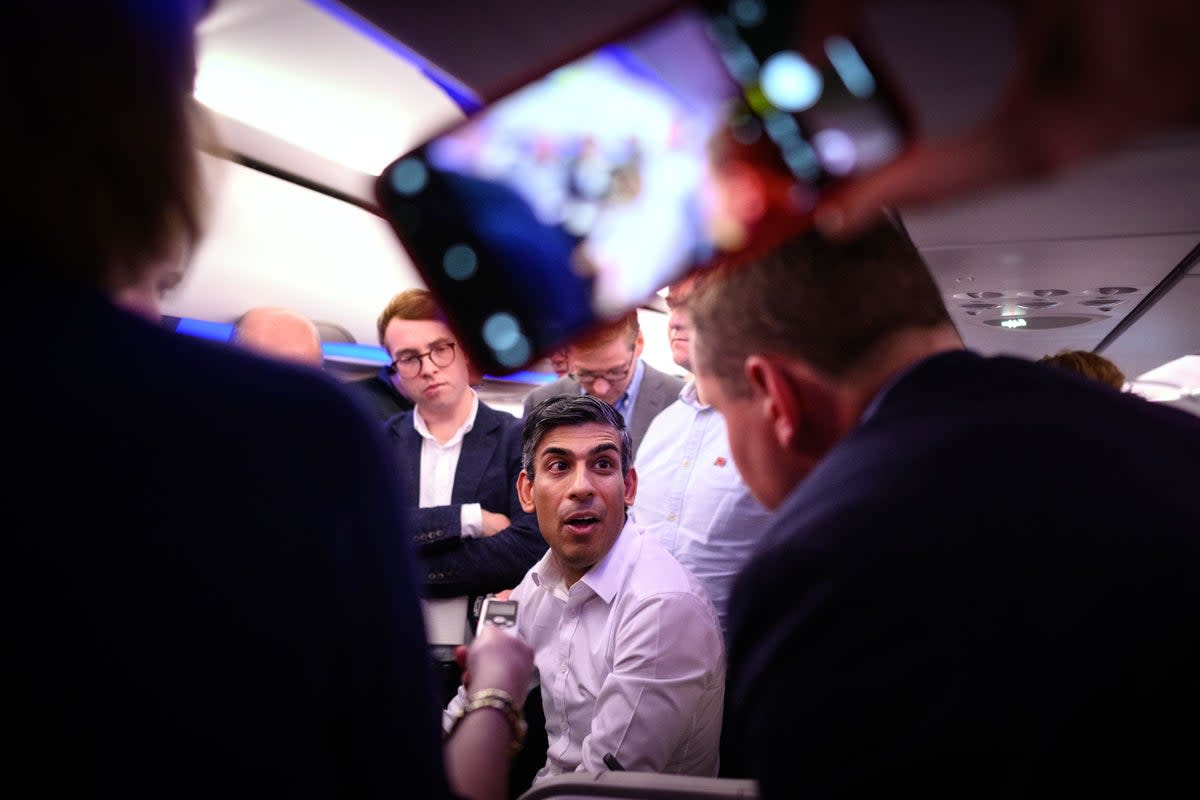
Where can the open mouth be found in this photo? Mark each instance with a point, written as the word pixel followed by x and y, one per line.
pixel 581 522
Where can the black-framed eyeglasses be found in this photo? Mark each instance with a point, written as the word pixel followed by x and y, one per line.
pixel 610 376
pixel 409 365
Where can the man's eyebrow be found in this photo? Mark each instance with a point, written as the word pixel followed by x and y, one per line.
pixel 412 351
pixel 563 452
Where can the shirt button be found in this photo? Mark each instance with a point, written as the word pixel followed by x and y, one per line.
pixel 686 462
pixel 671 516
pixel 563 669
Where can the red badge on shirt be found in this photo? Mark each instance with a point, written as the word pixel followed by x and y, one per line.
pixel 720 462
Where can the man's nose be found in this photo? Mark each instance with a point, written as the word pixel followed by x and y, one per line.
pixel 604 389
pixel 581 483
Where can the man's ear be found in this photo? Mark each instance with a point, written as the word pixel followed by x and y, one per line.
pixel 630 486
pixel 797 401
pixel 525 492
pixel 638 344
pixel 772 395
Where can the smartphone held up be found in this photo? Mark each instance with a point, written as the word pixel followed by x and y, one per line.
pixel 699 137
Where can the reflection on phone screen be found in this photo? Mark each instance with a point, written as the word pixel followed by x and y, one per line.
pixel 577 197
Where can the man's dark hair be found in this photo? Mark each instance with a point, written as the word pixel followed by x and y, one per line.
pixel 567 409
pixel 826 303
pixel 106 170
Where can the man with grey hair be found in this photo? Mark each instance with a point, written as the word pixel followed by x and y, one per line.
pixel 929 613
pixel 279 333
pixel 626 643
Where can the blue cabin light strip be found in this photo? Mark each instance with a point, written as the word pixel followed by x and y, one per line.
pixel 356 353
pixel 203 329
pixel 344 352
pixel 462 95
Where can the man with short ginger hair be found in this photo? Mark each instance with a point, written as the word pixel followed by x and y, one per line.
pixel 608 364
pixel 462 456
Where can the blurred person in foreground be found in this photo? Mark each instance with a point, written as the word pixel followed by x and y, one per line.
pixel 932 613
pixel 279 333
pixel 1088 365
pixel 1089 77
pixel 212 595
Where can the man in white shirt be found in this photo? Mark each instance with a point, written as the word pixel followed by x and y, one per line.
pixel 626 643
pixel 461 460
pixel 692 496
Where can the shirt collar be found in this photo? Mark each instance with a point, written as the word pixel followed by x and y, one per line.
pixel 629 399
pixel 464 429
pixel 691 397
pixel 605 576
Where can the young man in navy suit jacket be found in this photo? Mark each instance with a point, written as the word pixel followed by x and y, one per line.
pixel 461 459
pixel 982 576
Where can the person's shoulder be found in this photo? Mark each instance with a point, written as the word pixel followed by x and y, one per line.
pixel 397 423
pixel 563 385
pixel 491 415
pixel 489 419
pixel 657 580
pixel 662 433
pixel 656 571
pixel 661 380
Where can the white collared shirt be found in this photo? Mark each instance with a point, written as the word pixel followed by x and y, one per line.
pixel 439 463
pixel 692 498
pixel 630 661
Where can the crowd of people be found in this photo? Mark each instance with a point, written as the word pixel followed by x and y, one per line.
pixel 797 566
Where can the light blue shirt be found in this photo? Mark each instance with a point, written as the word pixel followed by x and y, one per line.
pixel 692 497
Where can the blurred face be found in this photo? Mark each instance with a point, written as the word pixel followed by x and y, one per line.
pixel 606 371
pixel 146 296
pixel 751 441
pixel 578 494
pixel 561 362
pixel 679 323
pixel 433 388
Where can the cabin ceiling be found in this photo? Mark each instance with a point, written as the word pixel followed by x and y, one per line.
pixel 298 87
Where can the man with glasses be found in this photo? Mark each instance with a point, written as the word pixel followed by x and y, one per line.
pixel 608 365
pixel 461 460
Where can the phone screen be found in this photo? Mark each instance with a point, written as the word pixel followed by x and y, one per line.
pixel 574 199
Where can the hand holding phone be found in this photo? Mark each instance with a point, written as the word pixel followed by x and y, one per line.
pixel 699 137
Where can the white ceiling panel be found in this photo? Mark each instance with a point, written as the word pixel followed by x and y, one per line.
pixel 1078 268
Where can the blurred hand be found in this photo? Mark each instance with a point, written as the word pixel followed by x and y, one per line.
pixel 1090 76
pixel 493 523
pixel 497 660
